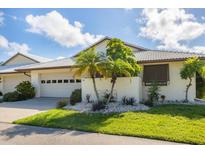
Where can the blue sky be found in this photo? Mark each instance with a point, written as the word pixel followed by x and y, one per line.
pixel 55 33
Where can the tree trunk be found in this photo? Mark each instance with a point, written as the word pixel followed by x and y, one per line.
pixel 187 89
pixel 113 80
pixel 95 89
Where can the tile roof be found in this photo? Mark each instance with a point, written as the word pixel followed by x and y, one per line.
pixel 35 58
pixel 60 63
pixel 157 55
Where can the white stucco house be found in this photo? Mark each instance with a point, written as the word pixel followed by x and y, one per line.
pixel 55 78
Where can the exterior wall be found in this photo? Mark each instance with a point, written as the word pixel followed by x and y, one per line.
pixel 130 87
pixel 54 89
pixel 102 47
pixel 1 84
pixel 11 81
pixel 19 59
pixel 35 81
pixel 175 90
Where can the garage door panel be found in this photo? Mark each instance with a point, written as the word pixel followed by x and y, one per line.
pixel 55 89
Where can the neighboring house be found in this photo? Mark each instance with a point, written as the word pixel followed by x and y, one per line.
pixel 55 78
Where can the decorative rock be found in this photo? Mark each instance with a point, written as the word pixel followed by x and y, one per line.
pixel 116 107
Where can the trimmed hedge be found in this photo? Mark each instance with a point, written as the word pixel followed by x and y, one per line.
pixel 11 97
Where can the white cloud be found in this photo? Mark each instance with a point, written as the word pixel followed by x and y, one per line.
pixel 59 29
pixel 13 47
pixel 1 18
pixel 60 57
pixel 171 27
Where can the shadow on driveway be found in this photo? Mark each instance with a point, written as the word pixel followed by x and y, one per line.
pixel 36 104
pixel 12 131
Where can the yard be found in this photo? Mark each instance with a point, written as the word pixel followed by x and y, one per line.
pixel 179 123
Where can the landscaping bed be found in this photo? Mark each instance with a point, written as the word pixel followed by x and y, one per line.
pixel 179 123
pixel 115 107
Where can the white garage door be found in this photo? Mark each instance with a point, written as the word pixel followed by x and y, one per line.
pixel 10 82
pixel 58 85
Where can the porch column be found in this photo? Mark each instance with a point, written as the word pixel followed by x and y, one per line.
pixel 35 81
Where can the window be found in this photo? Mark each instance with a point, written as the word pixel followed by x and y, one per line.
pixel 156 73
pixel 72 81
pixel 60 81
pixel 48 81
pixel 65 81
pixel 78 80
pixel 53 81
pixel 43 81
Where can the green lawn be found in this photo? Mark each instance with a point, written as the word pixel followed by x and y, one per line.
pixel 180 123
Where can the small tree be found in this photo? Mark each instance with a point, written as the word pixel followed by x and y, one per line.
pixel 120 62
pixel 88 61
pixel 191 66
pixel 153 92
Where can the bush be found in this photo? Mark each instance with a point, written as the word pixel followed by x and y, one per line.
pixel 25 90
pixel 106 96
pixel 163 98
pixel 75 97
pixel 128 101
pixel 11 97
pixel 153 92
pixel 61 104
pixel 99 106
pixel 148 103
pixel 88 98
pixel 1 94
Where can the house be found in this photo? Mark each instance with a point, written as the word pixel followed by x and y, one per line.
pixel 55 78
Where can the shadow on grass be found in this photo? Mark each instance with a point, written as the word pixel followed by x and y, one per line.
pixel 74 121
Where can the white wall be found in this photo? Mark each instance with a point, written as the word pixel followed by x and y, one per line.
pixel 19 59
pixel 125 86
pixel 1 83
pixel 175 90
pixel 12 80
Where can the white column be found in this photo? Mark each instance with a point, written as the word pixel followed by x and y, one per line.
pixel 35 80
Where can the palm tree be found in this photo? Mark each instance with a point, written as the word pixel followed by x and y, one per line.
pixel 114 69
pixel 88 62
pixel 120 62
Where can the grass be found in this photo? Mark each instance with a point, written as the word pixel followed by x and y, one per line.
pixel 179 123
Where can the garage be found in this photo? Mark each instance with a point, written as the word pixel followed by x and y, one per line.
pixel 11 81
pixel 58 84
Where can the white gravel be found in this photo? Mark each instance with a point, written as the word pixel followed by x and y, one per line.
pixel 116 107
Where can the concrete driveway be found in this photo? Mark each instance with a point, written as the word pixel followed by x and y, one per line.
pixel 11 111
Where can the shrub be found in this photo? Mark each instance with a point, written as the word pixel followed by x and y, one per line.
pixel 128 101
pixel 99 106
pixel 148 103
pixel 153 92
pixel 25 90
pixel 1 94
pixel 163 97
pixel 11 97
pixel 75 97
pixel 106 96
pixel 88 98
pixel 60 104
